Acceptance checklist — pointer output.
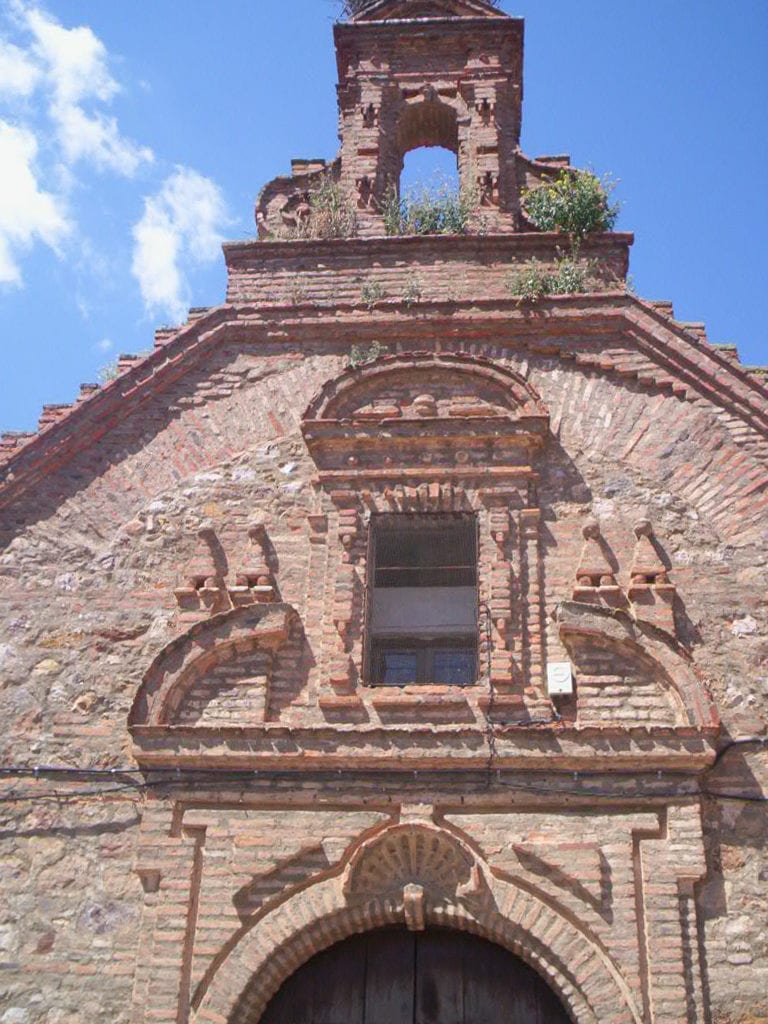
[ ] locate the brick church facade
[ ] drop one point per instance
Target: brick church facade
(384, 646)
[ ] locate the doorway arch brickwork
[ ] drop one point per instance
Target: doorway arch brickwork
(456, 889)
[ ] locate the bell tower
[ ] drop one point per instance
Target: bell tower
(418, 73)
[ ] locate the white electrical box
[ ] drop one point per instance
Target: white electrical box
(559, 678)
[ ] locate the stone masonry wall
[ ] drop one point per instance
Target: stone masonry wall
(87, 578)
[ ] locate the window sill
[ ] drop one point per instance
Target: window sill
(418, 695)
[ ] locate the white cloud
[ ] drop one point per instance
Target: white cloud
(18, 73)
(181, 224)
(57, 83)
(73, 64)
(97, 138)
(27, 213)
(75, 57)
(105, 345)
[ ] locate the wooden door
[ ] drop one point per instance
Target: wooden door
(398, 977)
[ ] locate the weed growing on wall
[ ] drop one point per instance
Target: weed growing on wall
(331, 213)
(569, 276)
(412, 293)
(371, 293)
(351, 7)
(108, 371)
(360, 356)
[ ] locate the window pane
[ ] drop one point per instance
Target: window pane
(454, 666)
(398, 668)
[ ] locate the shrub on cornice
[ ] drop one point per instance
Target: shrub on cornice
(575, 202)
(108, 371)
(349, 8)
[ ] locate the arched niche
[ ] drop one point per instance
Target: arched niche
(188, 667)
(490, 385)
(594, 635)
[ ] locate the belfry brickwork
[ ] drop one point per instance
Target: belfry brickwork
(379, 598)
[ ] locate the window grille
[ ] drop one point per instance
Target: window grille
(422, 611)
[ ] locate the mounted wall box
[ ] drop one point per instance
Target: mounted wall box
(559, 678)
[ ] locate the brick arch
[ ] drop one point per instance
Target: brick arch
(583, 976)
(657, 654)
(431, 122)
(337, 396)
(205, 645)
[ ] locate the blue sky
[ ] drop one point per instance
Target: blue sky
(135, 135)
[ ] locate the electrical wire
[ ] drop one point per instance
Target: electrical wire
(135, 781)
(225, 778)
(739, 741)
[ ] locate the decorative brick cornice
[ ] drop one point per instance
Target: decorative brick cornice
(485, 248)
(463, 748)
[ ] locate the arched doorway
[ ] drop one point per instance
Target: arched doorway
(393, 976)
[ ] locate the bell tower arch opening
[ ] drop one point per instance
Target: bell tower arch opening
(429, 167)
(436, 976)
(428, 149)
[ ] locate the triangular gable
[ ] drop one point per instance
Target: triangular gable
(385, 10)
(643, 343)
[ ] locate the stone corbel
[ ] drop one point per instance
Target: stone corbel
(150, 878)
(349, 530)
(204, 588)
(343, 600)
(318, 528)
(414, 907)
(254, 581)
(650, 591)
(595, 579)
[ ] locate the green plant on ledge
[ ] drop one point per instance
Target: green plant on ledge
(108, 371)
(331, 213)
(575, 202)
(360, 356)
(569, 276)
(371, 293)
(412, 292)
(429, 209)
